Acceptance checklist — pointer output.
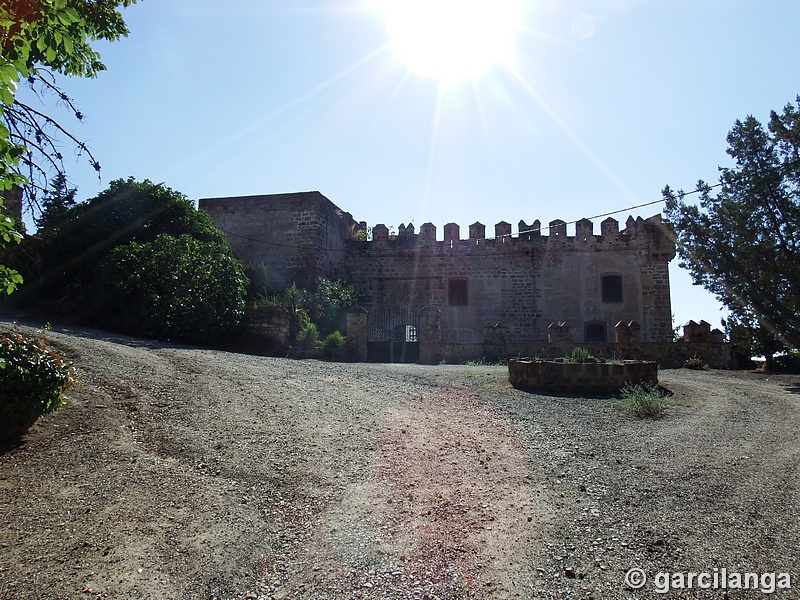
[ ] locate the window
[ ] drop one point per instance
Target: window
(457, 292)
(594, 332)
(612, 288)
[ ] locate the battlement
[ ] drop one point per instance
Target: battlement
(650, 234)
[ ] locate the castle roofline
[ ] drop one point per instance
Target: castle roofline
(269, 197)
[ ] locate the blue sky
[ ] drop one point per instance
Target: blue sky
(594, 108)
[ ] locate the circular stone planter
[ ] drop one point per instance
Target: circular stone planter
(593, 377)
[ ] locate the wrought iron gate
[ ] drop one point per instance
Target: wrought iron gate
(392, 335)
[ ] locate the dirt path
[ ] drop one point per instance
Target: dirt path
(186, 473)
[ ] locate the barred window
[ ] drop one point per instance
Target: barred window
(594, 331)
(612, 288)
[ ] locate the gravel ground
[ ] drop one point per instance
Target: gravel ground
(178, 472)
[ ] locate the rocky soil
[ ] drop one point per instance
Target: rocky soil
(177, 472)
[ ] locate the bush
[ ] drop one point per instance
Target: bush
(333, 346)
(641, 399)
(307, 335)
(329, 301)
(787, 363)
(32, 379)
(173, 288)
(695, 363)
(128, 211)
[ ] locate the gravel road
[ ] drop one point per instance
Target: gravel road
(177, 472)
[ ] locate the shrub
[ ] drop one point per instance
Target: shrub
(333, 346)
(128, 211)
(641, 399)
(787, 363)
(329, 301)
(307, 335)
(173, 288)
(578, 355)
(32, 379)
(695, 363)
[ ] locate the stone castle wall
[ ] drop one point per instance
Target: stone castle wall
(296, 237)
(525, 281)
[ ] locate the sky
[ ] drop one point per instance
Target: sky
(439, 110)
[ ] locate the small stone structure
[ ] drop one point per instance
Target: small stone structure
(593, 378)
(268, 328)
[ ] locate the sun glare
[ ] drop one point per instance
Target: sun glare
(452, 39)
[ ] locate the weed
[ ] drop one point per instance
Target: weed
(642, 399)
(485, 362)
(695, 363)
(578, 355)
(308, 335)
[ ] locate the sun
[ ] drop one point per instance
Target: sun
(452, 40)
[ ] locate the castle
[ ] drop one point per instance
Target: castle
(534, 292)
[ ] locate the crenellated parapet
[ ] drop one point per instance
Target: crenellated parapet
(651, 235)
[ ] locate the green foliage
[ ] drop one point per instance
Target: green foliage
(333, 346)
(173, 288)
(696, 363)
(9, 278)
(787, 363)
(58, 199)
(641, 399)
(32, 380)
(328, 302)
(578, 355)
(324, 305)
(307, 334)
(743, 244)
(127, 211)
(485, 362)
(258, 289)
(37, 40)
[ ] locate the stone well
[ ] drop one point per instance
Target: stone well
(592, 377)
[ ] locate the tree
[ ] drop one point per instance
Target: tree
(38, 40)
(56, 202)
(329, 301)
(743, 244)
(127, 211)
(173, 288)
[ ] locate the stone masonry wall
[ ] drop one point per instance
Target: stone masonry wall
(523, 282)
(296, 237)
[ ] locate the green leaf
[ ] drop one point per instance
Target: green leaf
(72, 14)
(6, 97)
